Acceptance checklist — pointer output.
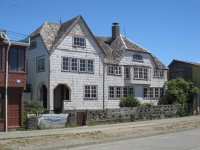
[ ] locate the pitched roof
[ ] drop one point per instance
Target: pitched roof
(53, 33)
(187, 62)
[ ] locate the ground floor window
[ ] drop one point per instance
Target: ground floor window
(153, 92)
(1, 106)
(117, 92)
(90, 92)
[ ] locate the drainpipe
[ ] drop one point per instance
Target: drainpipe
(6, 88)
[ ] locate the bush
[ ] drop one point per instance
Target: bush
(178, 91)
(34, 107)
(129, 101)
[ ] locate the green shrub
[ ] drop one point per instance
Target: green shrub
(34, 107)
(129, 101)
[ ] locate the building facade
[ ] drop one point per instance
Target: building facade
(16, 81)
(71, 69)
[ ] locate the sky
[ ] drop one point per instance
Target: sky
(169, 29)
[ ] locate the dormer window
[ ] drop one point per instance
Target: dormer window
(137, 57)
(33, 45)
(79, 41)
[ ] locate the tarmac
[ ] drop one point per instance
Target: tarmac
(74, 130)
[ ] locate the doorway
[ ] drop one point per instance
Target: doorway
(43, 95)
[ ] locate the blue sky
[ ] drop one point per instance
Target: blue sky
(169, 29)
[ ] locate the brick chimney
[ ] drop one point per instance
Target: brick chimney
(115, 30)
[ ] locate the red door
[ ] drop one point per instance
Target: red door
(14, 103)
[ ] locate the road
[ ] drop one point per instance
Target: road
(184, 140)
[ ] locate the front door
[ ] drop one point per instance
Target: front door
(14, 111)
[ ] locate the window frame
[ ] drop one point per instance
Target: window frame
(127, 72)
(137, 57)
(91, 90)
(71, 65)
(140, 73)
(17, 59)
(152, 92)
(118, 92)
(115, 70)
(158, 73)
(85, 60)
(68, 61)
(79, 45)
(37, 63)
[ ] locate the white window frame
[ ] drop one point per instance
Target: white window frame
(91, 91)
(79, 41)
(64, 62)
(90, 66)
(114, 70)
(137, 57)
(82, 65)
(140, 73)
(117, 92)
(127, 73)
(72, 68)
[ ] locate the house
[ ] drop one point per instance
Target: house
(16, 81)
(186, 70)
(71, 69)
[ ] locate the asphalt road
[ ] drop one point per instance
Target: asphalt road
(184, 140)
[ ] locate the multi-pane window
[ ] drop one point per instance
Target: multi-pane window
(82, 65)
(111, 92)
(114, 70)
(90, 66)
(118, 70)
(17, 59)
(65, 64)
(140, 73)
(137, 57)
(158, 73)
(116, 92)
(0, 58)
(1, 106)
(90, 92)
(127, 72)
(78, 41)
(152, 92)
(74, 64)
(40, 64)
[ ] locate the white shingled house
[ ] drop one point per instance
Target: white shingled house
(71, 69)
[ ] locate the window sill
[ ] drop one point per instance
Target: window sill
(78, 46)
(90, 99)
(138, 60)
(119, 75)
(158, 77)
(141, 79)
(17, 72)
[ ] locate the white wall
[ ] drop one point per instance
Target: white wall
(76, 81)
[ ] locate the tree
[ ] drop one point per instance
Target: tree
(178, 91)
(129, 101)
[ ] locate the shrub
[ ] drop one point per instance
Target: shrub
(178, 91)
(34, 107)
(129, 101)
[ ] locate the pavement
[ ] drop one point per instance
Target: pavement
(184, 140)
(78, 130)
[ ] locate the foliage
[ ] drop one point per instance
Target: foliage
(178, 91)
(34, 107)
(129, 101)
(184, 110)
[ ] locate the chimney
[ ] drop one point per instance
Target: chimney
(115, 30)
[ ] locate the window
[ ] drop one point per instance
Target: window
(1, 106)
(82, 67)
(152, 92)
(137, 57)
(17, 59)
(0, 58)
(33, 45)
(118, 70)
(74, 64)
(111, 92)
(90, 66)
(40, 64)
(140, 73)
(78, 41)
(158, 73)
(90, 92)
(127, 72)
(65, 64)
(114, 70)
(118, 92)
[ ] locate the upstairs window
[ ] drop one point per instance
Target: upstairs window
(40, 64)
(33, 45)
(17, 59)
(74, 64)
(158, 73)
(140, 73)
(127, 72)
(137, 57)
(114, 70)
(90, 66)
(82, 67)
(65, 64)
(78, 41)
(0, 58)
